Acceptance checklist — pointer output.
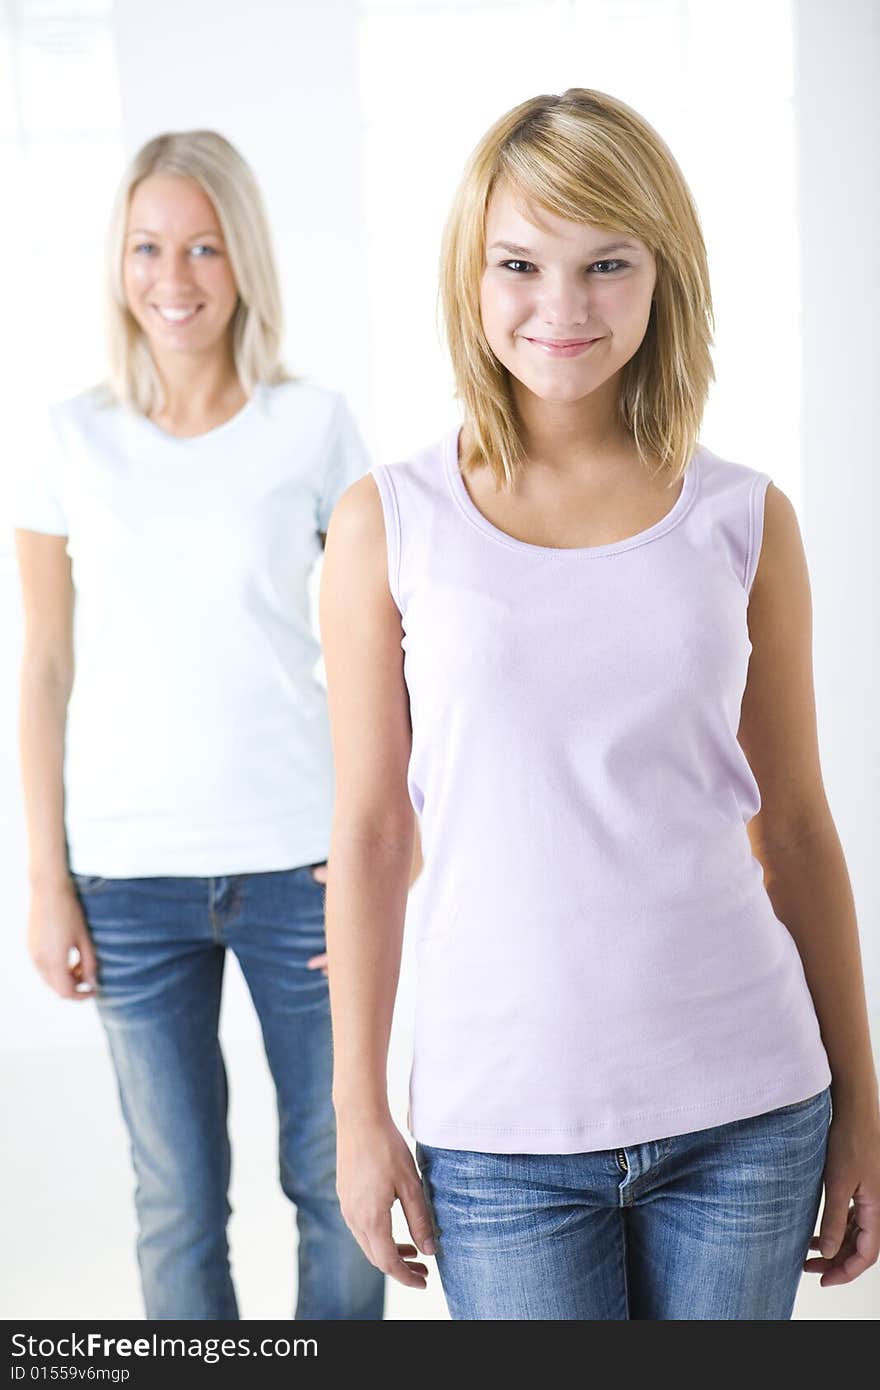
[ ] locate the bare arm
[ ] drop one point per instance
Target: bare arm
(793, 835)
(372, 857)
(805, 873)
(56, 922)
(372, 837)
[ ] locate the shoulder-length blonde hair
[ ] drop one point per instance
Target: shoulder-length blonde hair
(590, 158)
(257, 323)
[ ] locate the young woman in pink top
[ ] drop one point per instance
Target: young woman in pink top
(581, 642)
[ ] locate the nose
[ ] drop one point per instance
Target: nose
(564, 302)
(174, 269)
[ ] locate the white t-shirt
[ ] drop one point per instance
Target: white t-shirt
(198, 739)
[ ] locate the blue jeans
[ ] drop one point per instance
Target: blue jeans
(161, 947)
(715, 1224)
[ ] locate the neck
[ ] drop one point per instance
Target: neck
(197, 388)
(582, 437)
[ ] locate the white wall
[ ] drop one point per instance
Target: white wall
(837, 60)
(280, 81)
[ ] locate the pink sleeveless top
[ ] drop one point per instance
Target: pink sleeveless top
(598, 960)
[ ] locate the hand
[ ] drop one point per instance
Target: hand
(849, 1237)
(374, 1166)
(319, 872)
(59, 942)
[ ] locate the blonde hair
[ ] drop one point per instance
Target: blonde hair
(257, 323)
(587, 157)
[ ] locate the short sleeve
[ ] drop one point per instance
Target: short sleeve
(35, 501)
(345, 459)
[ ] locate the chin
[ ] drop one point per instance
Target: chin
(556, 395)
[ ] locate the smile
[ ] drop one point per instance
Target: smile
(177, 314)
(563, 348)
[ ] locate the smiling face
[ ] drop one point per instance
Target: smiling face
(176, 273)
(548, 287)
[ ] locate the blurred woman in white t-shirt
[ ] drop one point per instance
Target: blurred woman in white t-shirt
(175, 744)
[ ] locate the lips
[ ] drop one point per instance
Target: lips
(563, 347)
(177, 313)
(563, 342)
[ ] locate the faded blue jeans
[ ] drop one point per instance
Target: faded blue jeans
(715, 1224)
(161, 946)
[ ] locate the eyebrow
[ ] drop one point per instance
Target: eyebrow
(596, 251)
(145, 231)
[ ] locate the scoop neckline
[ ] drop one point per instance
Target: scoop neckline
(472, 513)
(206, 435)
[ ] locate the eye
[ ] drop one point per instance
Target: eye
(144, 247)
(201, 248)
(619, 265)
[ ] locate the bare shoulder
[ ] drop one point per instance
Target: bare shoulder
(779, 511)
(357, 523)
(358, 512)
(782, 562)
(355, 552)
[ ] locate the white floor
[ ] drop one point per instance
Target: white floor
(68, 1196)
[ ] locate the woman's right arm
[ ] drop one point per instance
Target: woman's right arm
(369, 865)
(56, 921)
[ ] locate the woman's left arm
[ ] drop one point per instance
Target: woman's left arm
(795, 839)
